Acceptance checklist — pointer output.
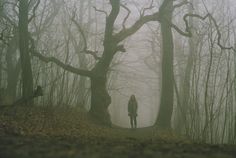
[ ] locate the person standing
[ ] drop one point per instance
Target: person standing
(132, 111)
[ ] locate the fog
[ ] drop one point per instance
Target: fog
(178, 60)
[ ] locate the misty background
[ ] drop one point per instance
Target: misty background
(211, 99)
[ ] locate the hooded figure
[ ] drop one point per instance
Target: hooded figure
(132, 111)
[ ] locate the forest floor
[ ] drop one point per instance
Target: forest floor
(68, 133)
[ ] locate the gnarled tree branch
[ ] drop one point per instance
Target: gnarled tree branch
(188, 33)
(111, 20)
(64, 66)
(124, 33)
(145, 9)
(34, 10)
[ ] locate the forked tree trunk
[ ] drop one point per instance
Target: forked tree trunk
(100, 98)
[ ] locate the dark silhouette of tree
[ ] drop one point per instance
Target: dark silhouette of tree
(165, 14)
(166, 102)
(27, 77)
(100, 99)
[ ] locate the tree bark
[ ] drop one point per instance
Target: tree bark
(27, 77)
(100, 98)
(167, 89)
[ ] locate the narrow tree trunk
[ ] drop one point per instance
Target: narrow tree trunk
(186, 81)
(27, 78)
(1, 52)
(13, 69)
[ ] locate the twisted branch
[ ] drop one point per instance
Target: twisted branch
(188, 33)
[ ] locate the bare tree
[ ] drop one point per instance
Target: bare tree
(27, 77)
(100, 99)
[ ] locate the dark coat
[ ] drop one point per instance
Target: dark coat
(132, 106)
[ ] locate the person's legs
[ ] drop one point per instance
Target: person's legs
(135, 122)
(131, 121)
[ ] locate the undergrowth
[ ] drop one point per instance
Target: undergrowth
(68, 122)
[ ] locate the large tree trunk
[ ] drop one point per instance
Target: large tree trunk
(166, 102)
(27, 77)
(100, 100)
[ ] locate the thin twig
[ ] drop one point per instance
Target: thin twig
(127, 16)
(99, 10)
(145, 9)
(81, 31)
(34, 11)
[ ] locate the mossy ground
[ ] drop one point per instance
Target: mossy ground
(48, 132)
